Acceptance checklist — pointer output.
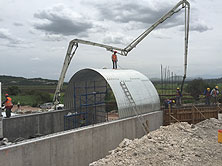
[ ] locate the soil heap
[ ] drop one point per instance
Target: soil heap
(176, 144)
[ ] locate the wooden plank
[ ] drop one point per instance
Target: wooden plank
(199, 111)
(174, 118)
(192, 115)
(189, 114)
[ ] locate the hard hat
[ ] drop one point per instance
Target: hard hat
(115, 51)
(178, 88)
(208, 88)
(6, 94)
(173, 101)
(216, 87)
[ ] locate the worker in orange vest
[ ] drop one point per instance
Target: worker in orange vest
(8, 105)
(114, 59)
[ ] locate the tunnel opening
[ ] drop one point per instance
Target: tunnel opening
(92, 100)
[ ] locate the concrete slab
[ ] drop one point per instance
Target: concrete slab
(76, 147)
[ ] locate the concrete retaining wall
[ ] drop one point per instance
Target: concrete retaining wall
(76, 147)
(27, 126)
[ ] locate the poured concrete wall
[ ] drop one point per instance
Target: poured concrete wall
(27, 126)
(76, 147)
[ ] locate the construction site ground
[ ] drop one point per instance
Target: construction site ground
(175, 144)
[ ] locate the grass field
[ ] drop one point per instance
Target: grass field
(34, 95)
(31, 94)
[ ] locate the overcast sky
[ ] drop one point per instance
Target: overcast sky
(34, 36)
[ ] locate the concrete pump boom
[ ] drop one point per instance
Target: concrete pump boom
(73, 45)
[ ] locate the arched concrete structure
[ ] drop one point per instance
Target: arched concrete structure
(140, 87)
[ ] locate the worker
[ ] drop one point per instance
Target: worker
(178, 97)
(8, 105)
(207, 96)
(114, 59)
(168, 102)
(214, 93)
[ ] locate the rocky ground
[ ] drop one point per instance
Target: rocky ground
(176, 144)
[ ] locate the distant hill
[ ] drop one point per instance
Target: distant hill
(218, 80)
(174, 78)
(180, 78)
(12, 80)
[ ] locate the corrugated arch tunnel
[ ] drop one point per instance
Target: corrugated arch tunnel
(88, 88)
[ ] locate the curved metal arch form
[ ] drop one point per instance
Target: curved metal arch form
(140, 87)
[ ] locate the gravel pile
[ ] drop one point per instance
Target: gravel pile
(176, 144)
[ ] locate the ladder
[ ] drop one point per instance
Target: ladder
(133, 104)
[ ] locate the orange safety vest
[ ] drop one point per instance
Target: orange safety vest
(114, 57)
(8, 103)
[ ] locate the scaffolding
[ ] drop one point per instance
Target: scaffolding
(168, 84)
(89, 104)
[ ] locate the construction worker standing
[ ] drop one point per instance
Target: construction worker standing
(178, 97)
(214, 93)
(8, 105)
(207, 96)
(114, 59)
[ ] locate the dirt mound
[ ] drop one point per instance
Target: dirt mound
(176, 144)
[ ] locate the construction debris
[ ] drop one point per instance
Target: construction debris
(176, 144)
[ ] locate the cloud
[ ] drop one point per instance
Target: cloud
(61, 20)
(199, 26)
(35, 59)
(12, 41)
(54, 37)
(142, 14)
(160, 34)
(116, 38)
(4, 34)
(145, 12)
(17, 24)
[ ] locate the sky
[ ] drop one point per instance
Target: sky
(34, 36)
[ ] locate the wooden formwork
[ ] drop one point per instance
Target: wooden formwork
(192, 114)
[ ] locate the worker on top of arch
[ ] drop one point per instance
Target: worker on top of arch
(114, 59)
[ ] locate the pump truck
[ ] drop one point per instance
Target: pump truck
(73, 45)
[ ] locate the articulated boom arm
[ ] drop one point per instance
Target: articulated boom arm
(183, 3)
(73, 45)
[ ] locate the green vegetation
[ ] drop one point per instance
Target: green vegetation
(32, 92)
(193, 90)
(10, 80)
(196, 87)
(13, 90)
(110, 102)
(32, 98)
(36, 91)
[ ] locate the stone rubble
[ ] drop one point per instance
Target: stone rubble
(177, 144)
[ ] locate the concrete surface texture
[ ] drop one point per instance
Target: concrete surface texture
(27, 126)
(77, 147)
